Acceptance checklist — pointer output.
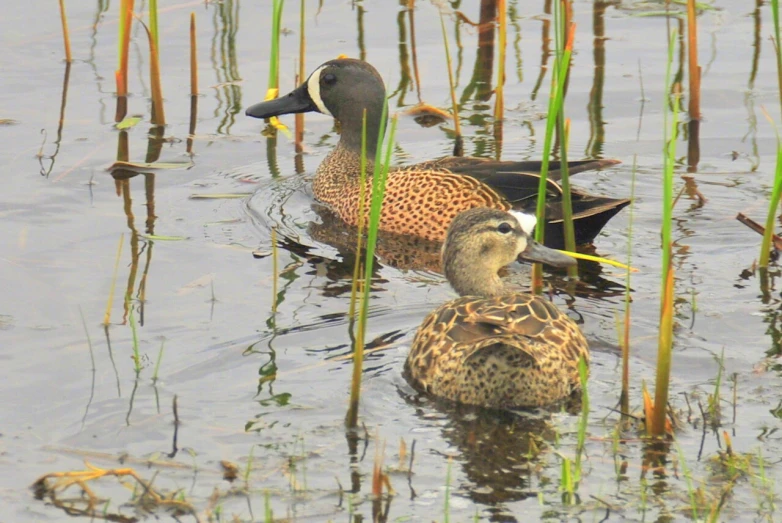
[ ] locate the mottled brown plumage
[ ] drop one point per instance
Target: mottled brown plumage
(422, 199)
(491, 347)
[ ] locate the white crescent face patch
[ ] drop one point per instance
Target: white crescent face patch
(527, 221)
(313, 88)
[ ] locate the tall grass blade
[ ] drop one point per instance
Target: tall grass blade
(361, 216)
(775, 14)
(773, 204)
(583, 375)
(66, 37)
(776, 193)
(665, 339)
(379, 176)
(624, 399)
(458, 149)
(556, 98)
(274, 63)
(565, 31)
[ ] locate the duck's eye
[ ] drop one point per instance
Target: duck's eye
(504, 228)
(329, 79)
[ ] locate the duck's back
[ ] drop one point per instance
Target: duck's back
(516, 350)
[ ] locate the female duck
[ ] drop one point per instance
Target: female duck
(422, 199)
(491, 347)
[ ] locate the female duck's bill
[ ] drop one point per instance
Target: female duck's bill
(532, 250)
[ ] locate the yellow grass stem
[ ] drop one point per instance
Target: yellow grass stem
(499, 97)
(107, 315)
(193, 57)
(66, 37)
(275, 268)
(455, 106)
(598, 259)
(299, 118)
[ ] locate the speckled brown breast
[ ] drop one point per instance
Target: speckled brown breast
(516, 350)
(417, 202)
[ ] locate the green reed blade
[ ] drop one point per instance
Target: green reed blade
(379, 176)
(775, 13)
(556, 98)
(274, 59)
(625, 395)
(665, 339)
(776, 193)
(360, 236)
(583, 375)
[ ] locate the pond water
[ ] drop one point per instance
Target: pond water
(267, 390)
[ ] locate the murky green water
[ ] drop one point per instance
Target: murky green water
(274, 386)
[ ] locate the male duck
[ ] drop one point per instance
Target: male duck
(422, 199)
(491, 347)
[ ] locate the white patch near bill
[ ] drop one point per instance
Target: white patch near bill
(313, 88)
(527, 221)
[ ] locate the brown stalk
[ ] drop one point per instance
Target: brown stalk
(193, 58)
(158, 114)
(694, 68)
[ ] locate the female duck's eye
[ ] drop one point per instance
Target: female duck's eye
(329, 79)
(504, 228)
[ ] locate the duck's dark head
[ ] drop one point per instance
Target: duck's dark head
(341, 88)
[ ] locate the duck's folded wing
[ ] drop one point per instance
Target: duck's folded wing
(517, 320)
(478, 167)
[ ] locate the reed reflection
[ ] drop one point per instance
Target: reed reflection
(225, 20)
(47, 170)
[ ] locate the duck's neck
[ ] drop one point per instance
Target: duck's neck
(349, 150)
(470, 280)
(340, 171)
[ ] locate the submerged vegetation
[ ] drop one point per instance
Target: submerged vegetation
(678, 453)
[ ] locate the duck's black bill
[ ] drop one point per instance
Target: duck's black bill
(540, 253)
(297, 101)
